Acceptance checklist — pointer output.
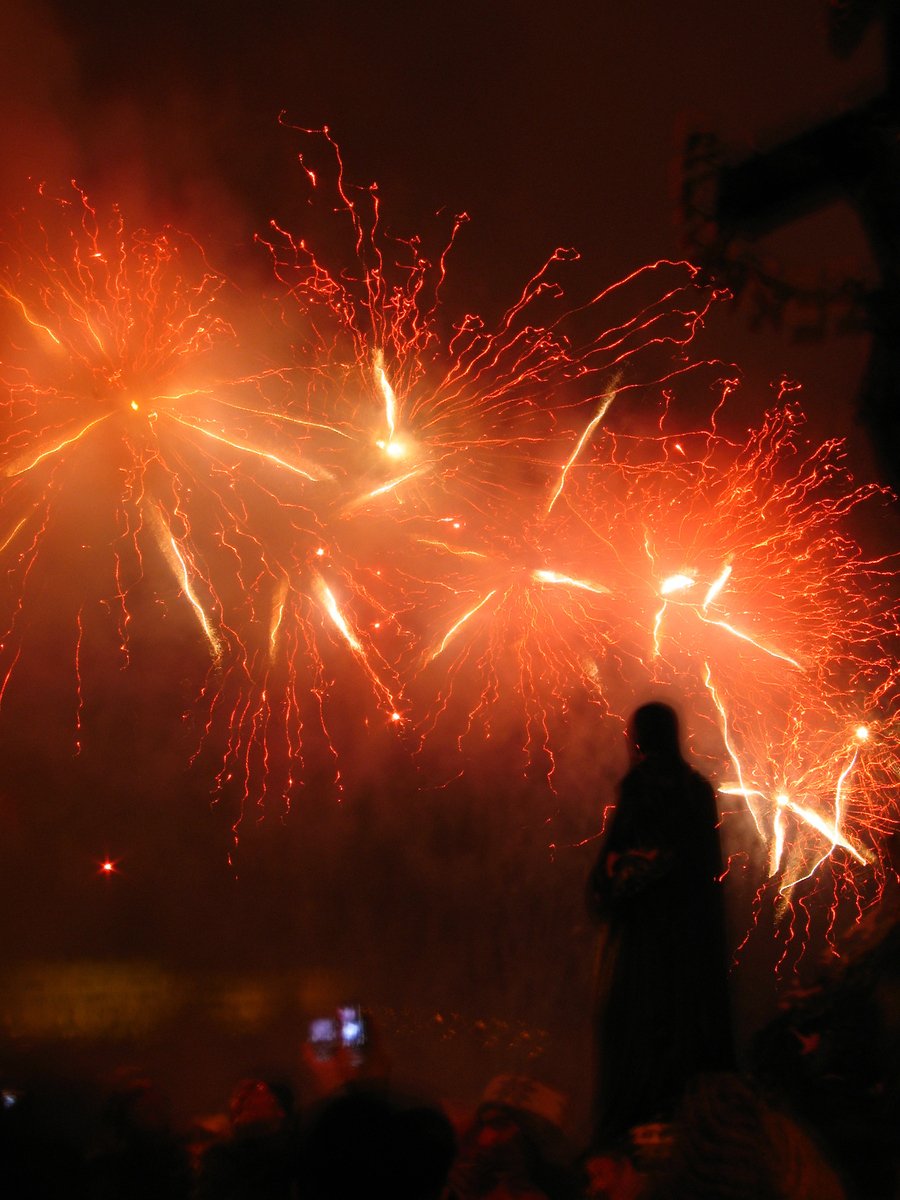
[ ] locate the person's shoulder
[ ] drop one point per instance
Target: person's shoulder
(701, 787)
(631, 778)
(698, 778)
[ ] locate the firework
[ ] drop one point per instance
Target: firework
(102, 334)
(720, 570)
(531, 552)
(374, 519)
(149, 448)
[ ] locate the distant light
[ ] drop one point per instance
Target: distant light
(783, 799)
(320, 552)
(134, 405)
(862, 734)
(395, 716)
(107, 867)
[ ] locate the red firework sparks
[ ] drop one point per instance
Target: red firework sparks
(462, 524)
(102, 332)
(139, 423)
(758, 604)
(724, 571)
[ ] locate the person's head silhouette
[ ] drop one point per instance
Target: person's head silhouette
(654, 731)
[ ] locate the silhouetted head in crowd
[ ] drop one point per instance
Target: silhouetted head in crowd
(728, 1143)
(515, 1145)
(366, 1142)
(137, 1107)
(654, 732)
(143, 1157)
(256, 1107)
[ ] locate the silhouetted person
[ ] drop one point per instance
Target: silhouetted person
(514, 1148)
(35, 1160)
(258, 1161)
(365, 1141)
(662, 1011)
(729, 1143)
(144, 1158)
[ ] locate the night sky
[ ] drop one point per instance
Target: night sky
(548, 129)
(550, 126)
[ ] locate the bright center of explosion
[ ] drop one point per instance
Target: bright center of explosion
(676, 583)
(395, 450)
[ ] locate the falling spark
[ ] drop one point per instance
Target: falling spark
(716, 586)
(390, 486)
(331, 607)
(212, 637)
(745, 637)
(455, 628)
(390, 407)
(582, 441)
(827, 829)
(676, 583)
(19, 467)
(255, 451)
(554, 577)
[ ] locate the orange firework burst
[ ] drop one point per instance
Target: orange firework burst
(138, 427)
(527, 555)
(422, 442)
(724, 571)
(102, 334)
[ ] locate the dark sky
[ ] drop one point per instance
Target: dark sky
(550, 125)
(559, 127)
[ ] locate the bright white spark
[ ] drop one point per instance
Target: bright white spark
(211, 636)
(462, 620)
(254, 450)
(828, 829)
(717, 586)
(676, 583)
(331, 607)
(554, 577)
